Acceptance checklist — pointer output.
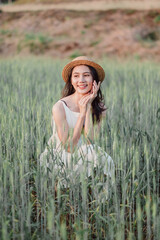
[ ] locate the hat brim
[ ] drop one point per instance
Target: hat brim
(68, 68)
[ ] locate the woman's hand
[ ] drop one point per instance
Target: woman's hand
(83, 103)
(86, 101)
(94, 91)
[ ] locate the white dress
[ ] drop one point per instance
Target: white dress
(85, 158)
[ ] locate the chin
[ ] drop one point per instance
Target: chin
(84, 92)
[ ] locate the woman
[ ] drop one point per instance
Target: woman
(76, 120)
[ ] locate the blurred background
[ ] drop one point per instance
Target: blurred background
(69, 28)
(36, 38)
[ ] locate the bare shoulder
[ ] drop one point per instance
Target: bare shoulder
(67, 99)
(58, 110)
(57, 106)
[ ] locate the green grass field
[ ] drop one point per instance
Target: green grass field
(30, 206)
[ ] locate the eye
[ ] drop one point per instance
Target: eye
(86, 75)
(75, 76)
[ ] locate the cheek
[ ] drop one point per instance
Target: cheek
(90, 83)
(73, 81)
(90, 80)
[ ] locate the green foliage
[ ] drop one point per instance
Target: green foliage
(157, 19)
(75, 54)
(37, 43)
(83, 32)
(33, 202)
(94, 43)
(8, 32)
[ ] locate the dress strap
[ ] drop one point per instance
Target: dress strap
(64, 102)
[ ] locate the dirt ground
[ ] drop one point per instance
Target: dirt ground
(67, 33)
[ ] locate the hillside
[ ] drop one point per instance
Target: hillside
(67, 33)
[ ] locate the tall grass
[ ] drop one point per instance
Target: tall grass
(33, 203)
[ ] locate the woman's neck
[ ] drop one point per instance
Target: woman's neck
(77, 97)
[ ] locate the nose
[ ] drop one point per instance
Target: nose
(81, 78)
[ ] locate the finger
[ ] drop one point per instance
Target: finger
(95, 89)
(84, 98)
(95, 85)
(87, 100)
(87, 97)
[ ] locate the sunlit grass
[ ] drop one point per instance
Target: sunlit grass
(33, 203)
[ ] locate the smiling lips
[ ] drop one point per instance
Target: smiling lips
(82, 86)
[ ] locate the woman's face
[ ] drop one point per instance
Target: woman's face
(81, 79)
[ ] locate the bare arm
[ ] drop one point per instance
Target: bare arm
(59, 116)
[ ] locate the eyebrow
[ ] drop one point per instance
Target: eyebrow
(78, 72)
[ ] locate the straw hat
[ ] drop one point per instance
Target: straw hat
(82, 60)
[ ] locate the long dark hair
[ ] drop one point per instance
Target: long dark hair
(98, 103)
